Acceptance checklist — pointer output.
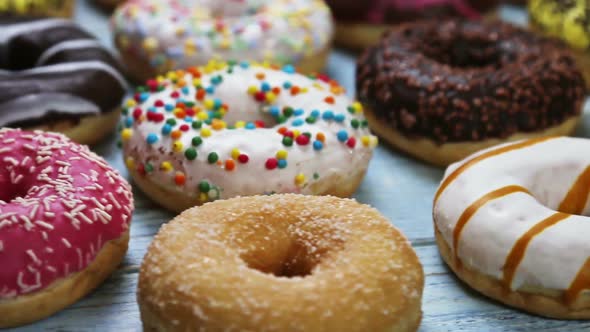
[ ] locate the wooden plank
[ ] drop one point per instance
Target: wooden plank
(448, 305)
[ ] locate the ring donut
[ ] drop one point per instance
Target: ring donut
(229, 130)
(280, 263)
(566, 20)
(441, 91)
(155, 36)
(64, 223)
(53, 76)
(511, 222)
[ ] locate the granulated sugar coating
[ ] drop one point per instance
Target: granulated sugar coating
(281, 263)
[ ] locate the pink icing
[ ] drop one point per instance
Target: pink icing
(377, 12)
(59, 204)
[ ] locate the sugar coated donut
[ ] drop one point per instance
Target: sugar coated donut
(55, 76)
(155, 36)
(232, 129)
(511, 222)
(567, 20)
(64, 223)
(443, 90)
(280, 263)
(360, 24)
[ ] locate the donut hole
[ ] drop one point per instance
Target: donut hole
(11, 191)
(294, 262)
(462, 52)
(236, 115)
(288, 250)
(458, 47)
(224, 9)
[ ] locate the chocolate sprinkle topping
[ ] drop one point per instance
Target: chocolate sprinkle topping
(454, 81)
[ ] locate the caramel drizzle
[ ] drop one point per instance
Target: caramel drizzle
(580, 283)
(475, 206)
(575, 200)
(518, 250)
(447, 181)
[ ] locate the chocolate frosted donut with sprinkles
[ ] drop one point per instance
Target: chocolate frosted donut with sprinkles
(230, 129)
(64, 223)
(155, 36)
(443, 90)
(55, 76)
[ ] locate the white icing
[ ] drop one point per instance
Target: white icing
(548, 170)
(185, 32)
(335, 162)
(75, 66)
(68, 45)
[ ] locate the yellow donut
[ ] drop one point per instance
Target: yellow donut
(567, 20)
(60, 8)
(280, 263)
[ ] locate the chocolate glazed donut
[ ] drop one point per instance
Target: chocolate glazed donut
(55, 76)
(443, 90)
(361, 23)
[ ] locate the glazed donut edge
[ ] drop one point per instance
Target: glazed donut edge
(29, 308)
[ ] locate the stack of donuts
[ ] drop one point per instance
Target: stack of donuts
(234, 125)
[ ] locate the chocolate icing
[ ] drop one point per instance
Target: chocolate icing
(398, 11)
(456, 81)
(78, 77)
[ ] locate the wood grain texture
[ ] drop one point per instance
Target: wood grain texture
(401, 188)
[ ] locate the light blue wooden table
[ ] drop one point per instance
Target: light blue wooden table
(401, 188)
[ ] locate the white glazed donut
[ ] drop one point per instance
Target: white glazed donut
(155, 36)
(510, 222)
(292, 134)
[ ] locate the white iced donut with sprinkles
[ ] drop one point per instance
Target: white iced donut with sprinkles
(231, 129)
(155, 36)
(64, 223)
(511, 221)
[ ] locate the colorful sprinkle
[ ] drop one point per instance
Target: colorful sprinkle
(281, 154)
(287, 141)
(230, 165)
(190, 153)
(243, 158)
(204, 186)
(342, 135)
(300, 179)
(151, 138)
(271, 163)
(126, 134)
(179, 178)
(318, 145)
(177, 146)
(205, 132)
(212, 158)
(302, 139)
(166, 166)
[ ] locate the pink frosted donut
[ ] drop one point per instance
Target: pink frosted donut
(64, 223)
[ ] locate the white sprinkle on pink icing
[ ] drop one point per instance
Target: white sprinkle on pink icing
(46, 220)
